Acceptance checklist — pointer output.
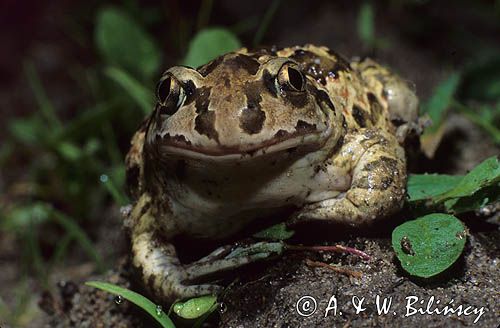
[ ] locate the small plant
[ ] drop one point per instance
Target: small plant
(154, 310)
(430, 244)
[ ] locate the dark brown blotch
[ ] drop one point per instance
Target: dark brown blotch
(322, 97)
(281, 134)
(367, 182)
(206, 69)
(132, 180)
(252, 117)
(269, 80)
(190, 90)
(252, 120)
(302, 127)
(204, 123)
(385, 163)
(342, 63)
(296, 99)
(203, 99)
(321, 67)
(244, 62)
(375, 107)
(360, 116)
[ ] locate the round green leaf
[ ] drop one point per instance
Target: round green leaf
(123, 42)
(195, 307)
(430, 244)
(208, 44)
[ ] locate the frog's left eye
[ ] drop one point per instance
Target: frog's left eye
(291, 78)
(170, 94)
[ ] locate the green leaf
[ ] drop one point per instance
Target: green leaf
(485, 174)
(275, 232)
(458, 193)
(427, 186)
(481, 198)
(196, 307)
(142, 96)
(24, 216)
(430, 244)
(69, 151)
(441, 99)
(209, 44)
(27, 130)
(151, 308)
(436, 108)
(122, 42)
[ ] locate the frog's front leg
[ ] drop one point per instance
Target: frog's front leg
(162, 273)
(378, 168)
(165, 277)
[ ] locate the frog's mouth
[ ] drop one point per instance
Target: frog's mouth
(282, 141)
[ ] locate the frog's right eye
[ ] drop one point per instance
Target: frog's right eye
(170, 94)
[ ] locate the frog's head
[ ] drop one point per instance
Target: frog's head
(239, 106)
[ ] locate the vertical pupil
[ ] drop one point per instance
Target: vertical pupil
(163, 90)
(295, 78)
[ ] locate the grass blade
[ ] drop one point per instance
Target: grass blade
(366, 24)
(142, 96)
(266, 20)
(485, 124)
(71, 227)
(44, 104)
(119, 197)
(139, 300)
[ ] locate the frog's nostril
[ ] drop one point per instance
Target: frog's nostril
(252, 119)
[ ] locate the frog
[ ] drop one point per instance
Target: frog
(250, 134)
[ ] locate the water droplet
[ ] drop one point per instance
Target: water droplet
(103, 178)
(222, 308)
(159, 310)
(125, 210)
(118, 299)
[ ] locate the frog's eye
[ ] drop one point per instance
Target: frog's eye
(170, 94)
(291, 78)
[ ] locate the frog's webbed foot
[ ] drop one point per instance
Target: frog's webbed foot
(377, 188)
(163, 274)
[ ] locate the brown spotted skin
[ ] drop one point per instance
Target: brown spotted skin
(253, 133)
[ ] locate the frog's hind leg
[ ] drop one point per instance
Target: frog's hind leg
(378, 184)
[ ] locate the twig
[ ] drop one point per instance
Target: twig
(347, 272)
(336, 248)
